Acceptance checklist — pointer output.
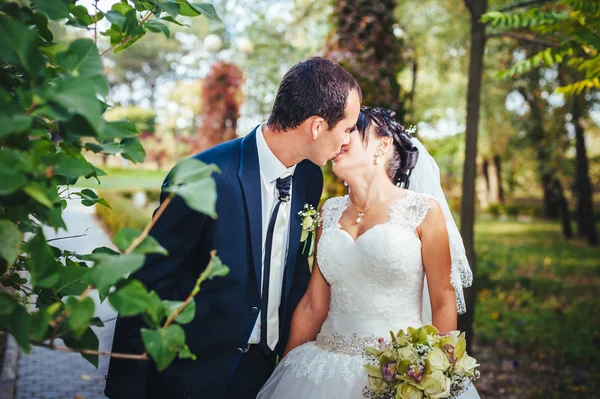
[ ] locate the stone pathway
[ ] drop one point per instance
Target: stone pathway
(50, 374)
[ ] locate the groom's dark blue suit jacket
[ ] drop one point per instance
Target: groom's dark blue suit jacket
(226, 307)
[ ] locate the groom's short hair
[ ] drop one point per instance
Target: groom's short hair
(315, 87)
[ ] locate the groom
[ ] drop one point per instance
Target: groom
(242, 320)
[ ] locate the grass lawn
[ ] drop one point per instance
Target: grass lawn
(126, 179)
(538, 308)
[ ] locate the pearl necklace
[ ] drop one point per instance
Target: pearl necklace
(361, 212)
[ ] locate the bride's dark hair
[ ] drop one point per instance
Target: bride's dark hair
(384, 124)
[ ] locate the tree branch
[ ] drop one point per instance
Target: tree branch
(64, 238)
(128, 38)
(524, 4)
(524, 38)
(149, 226)
(143, 356)
(96, 22)
(179, 310)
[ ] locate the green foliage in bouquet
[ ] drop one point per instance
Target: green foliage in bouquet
(420, 363)
(53, 96)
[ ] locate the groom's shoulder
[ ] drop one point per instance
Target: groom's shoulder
(221, 154)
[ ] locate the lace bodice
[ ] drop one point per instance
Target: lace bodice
(380, 275)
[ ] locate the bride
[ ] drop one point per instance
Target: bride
(378, 251)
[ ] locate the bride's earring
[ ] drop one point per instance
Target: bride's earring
(345, 183)
(378, 154)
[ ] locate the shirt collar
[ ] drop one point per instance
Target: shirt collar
(271, 168)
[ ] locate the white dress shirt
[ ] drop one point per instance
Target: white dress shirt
(270, 170)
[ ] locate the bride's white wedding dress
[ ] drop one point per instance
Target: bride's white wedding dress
(377, 284)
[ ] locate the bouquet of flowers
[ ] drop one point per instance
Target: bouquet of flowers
(420, 364)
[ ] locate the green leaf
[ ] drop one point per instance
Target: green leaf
(122, 7)
(186, 315)
(131, 299)
(548, 60)
(190, 9)
(157, 27)
(10, 241)
(19, 46)
(174, 21)
(191, 170)
(170, 8)
(55, 9)
(71, 168)
(192, 181)
(88, 340)
(155, 310)
(89, 198)
(116, 18)
(79, 314)
(215, 268)
(119, 129)
(35, 191)
(10, 180)
(109, 269)
(7, 304)
(162, 345)
(38, 325)
(83, 60)
(149, 245)
(82, 18)
(130, 42)
(77, 96)
(186, 354)
(133, 149)
(73, 280)
(14, 123)
(41, 21)
(111, 148)
(17, 323)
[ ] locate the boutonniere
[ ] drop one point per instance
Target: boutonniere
(311, 219)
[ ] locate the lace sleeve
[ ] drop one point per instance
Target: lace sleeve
(332, 210)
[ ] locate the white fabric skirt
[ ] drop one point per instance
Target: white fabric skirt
(309, 372)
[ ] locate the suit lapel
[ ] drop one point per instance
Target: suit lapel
(298, 197)
(249, 175)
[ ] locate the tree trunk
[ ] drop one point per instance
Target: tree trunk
(500, 189)
(485, 170)
(551, 208)
(565, 216)
(492, 180)
(586, 222)
(467, 221)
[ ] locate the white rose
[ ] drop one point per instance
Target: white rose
(437, 360)
(406, 352)
(436, 385)
(407, 391)
(466, 366)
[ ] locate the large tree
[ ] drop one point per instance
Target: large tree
(364, 42)
(476, 8)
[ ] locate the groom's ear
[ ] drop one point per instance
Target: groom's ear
(318, 125)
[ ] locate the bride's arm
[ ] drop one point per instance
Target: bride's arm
(311, 310)
(437, 263)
